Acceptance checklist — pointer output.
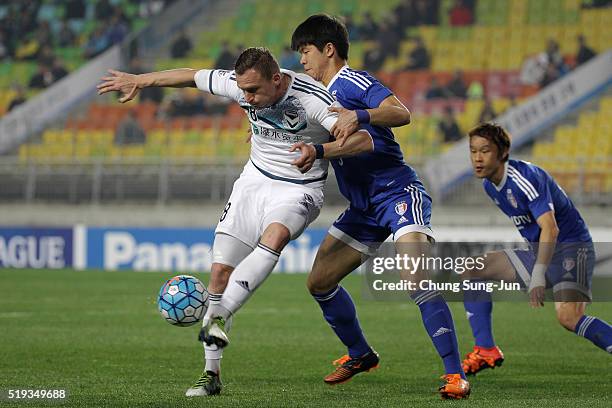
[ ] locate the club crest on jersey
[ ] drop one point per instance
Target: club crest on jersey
(568, 264)
(291, 118)
(401, 207)
(511, 198)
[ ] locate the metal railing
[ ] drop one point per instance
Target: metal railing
(99, 181)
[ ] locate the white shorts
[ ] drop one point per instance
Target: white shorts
(258, 201)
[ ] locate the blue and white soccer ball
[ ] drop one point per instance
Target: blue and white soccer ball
(182, 300)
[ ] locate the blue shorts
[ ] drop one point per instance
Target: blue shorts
(571, 267)
(403, 210)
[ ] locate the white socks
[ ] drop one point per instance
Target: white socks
(248, 275)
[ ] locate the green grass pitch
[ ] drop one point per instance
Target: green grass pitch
(99, 335)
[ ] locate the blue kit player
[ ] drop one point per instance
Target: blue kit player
(561, 255)
(386, 199)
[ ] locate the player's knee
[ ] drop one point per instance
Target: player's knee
(568, 318)
(219, 276)
(276, 236)
(318, 283)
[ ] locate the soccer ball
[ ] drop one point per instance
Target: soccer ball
(182, 300)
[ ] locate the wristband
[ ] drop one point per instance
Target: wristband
(538, 276)
(320, 150)
(363, 116)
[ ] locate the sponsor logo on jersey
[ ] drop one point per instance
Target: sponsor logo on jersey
(511, 198)
(222, 72)
(401, 207)
(568, 264)
(519, 220)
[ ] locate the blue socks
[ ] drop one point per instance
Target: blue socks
(596, 330)
(339, 311)
(438, 323)
(478, 305)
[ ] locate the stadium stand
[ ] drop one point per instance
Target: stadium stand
(58, 37)
(488, 54)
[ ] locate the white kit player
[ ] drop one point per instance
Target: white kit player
(280, 190)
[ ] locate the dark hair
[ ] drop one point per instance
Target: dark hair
(319, 30)
(495, 134)
(258, 58)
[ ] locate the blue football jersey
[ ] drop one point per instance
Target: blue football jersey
(366, 178)
(526, 192)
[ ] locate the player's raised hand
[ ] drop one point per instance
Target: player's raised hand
(307, 158)
(346, 125)
(122, 82)
(536, 296)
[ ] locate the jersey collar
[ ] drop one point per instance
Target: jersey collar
(501, 184)
(345, 67)
(292, 76)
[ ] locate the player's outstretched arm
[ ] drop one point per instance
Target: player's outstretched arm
(390, 113)
(130, 84)
(357, 143)
(546, 248)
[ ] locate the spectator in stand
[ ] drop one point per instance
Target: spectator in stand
(74, 9)
(550, 75)
(97, 42)
(117, 30)
(427, 12)
(4, 48)
(44, 35)
(373, 59)
(65, 36)
(150, 8)
(18, 99)
(419, 56)
(406, 13)
(154, 94)
(226, 58)
(554, 57)
(43, 78)
(585, 52)
(389, 37)
(46, 56)
(448, 126)
(58, 69)
(368, 30)
(460, 14)
(435, 90)
(182, 46)
(290, 60)
(129, 130)
(353, 30)
(185, 102)
(456, 87)
(104, 10)
(487, 113)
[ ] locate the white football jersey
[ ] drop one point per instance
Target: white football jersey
(300, 115)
